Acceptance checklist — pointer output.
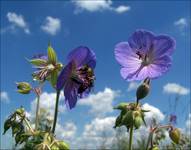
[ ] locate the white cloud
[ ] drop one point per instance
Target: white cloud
(188, 122)
(98, 5)
(66, 131)
(122, 9)
(174, 88)
(153, 113)
(18, 20)
(47, 102)
(94, 132)
(101, 102)
(101, 129)
(4, 97)
(132, 86)
(182, 22)
(51, 25)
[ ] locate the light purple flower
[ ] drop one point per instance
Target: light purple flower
(144, 55)
(77, 77)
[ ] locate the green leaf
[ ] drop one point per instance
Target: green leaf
(52, 58)
(142, 116)
(145, 110)
(20, 111)
(7, 125)
(38, 62)
(121, 106)
(63, 145)
(53, 78)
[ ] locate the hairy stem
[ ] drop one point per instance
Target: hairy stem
(148, 140)
(28, 125)
(131, 138)
(37, 112)
(56, 111)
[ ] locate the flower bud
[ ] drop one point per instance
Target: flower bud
(138, 122)
(20, 111)
(175, 135)
(23, 87)
(143, 89)
(121, 106)
(63, 145)
(127, 119)
(155, 147)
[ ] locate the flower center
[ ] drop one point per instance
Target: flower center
(84, 78)
(145, 58)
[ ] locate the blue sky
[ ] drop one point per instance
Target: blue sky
(27, 27)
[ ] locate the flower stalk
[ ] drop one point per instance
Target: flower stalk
(131, 138)
(152, 131)
(37, 112)
(28, 125)
(56, 111)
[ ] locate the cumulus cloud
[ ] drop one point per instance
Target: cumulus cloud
(66, 131)
(132, 86)
(4, 97)
(52, 25)
(122, 9)
(47, 102)
(153, 113)
(174, 88)
(101, 102)
(188, 122)
(100, 5)
(101, 129)
(181, 22)
(17, 21)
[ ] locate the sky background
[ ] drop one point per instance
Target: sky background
(27, 27)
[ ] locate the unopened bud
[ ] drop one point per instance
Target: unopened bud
(138, 122)
(63, 145)
(121, 106)
(155, 147)
(23, 87)
(175, 135)
(127, 119)
(143, 89)
(20, 111)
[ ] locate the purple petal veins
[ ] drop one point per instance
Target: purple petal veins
(77, 77)
(144, 55)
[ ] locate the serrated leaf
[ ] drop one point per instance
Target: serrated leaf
(52, 58)
(7, 125)
(142, 116)
(145, 110)
(63, 145)
(121, 106)
(38, 62)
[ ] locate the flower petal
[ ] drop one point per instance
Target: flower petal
(163, 45)
(126, 72)
(71, 93)
(83, 56)
(65, 75)
(125, 56)
(141, 40)
(40, 56)
(155, 70)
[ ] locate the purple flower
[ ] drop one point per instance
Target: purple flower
(144, 55)
(77, 77)
(172, 118)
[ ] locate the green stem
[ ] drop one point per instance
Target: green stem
(29, 126)
(56, 111)
(37, 112)
(149, 139)
(131, 138)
